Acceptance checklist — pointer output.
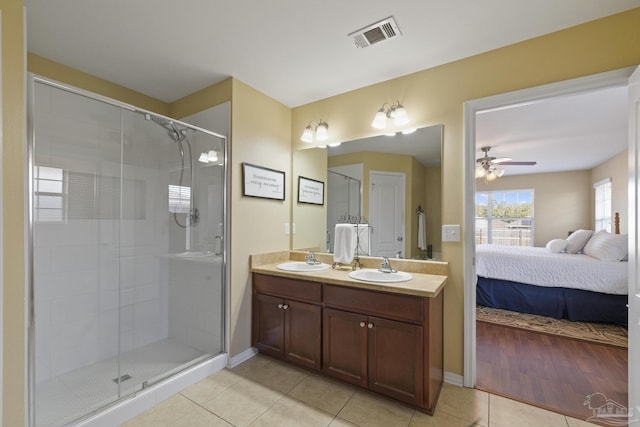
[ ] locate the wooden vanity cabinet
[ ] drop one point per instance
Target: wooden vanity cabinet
(287, 319)
(389, 343)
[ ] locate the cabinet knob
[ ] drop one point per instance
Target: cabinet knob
(370, 325)
(284, 307)
(280, 305)
(362, 324)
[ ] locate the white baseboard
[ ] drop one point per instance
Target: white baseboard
(453, 379)
(241, 357)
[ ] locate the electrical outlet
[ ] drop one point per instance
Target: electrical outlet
(451, 233)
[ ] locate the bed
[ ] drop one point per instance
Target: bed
(573, 286)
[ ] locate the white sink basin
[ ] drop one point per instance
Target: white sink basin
(300, 266)
(371, 275)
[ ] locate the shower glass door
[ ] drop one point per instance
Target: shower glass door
(127, 234)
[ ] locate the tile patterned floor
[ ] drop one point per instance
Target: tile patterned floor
(265, 392)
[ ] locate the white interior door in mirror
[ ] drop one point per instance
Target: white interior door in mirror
(386, 213)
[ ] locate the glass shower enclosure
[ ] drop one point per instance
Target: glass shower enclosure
(127, 250)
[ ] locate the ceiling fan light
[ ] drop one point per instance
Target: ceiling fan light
(307, 135)
(498, 172)
(490, 176)
(480, 172)
(380, 120)
(322, 131)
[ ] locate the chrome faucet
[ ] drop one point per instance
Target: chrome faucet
(311, 258)
(385, 267)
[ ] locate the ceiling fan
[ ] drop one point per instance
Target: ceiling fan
(489, 166)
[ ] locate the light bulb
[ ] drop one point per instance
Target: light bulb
(380, 120)
(498, 172)
(400, 116)
(491, 176)
(322, 131)
(307, 135)
(480, 172)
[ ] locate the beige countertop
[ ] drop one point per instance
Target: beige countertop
(424, 283)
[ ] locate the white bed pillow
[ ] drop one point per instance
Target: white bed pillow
(556, 246)
(606, 246)
(577, 240)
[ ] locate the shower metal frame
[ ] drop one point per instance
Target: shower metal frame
(32, 79)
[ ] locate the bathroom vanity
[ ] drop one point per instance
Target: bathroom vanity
(385, 337)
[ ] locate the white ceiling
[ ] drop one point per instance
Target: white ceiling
(294, 51)
(299, 52)
(573, 132)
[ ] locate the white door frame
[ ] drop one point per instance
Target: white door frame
(634, 245)
(608, 79)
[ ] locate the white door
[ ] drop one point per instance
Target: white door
(634, 256)
(386, 213)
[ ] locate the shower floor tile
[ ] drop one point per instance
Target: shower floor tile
(77, 393)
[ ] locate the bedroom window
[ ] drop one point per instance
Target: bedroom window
(504, 217)
(603, 205)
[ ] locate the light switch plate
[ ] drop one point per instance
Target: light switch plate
(451, 233)
(286, 228)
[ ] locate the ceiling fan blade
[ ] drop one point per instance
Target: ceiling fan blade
(501, 159)
(518, 163)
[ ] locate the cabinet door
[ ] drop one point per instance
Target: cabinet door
(268, 324)
(344, 346)
(302, 326)
(395, 359)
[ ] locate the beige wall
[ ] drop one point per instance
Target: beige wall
(562, 201)
(310, 220)
(437, 95)
(433, 208)
(433, 96)
(418, 186)
(615, 168)
(260, 129)
(13, 190)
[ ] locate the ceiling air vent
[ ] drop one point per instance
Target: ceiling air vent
(376, 33)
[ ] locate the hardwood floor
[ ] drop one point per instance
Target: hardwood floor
(548, 371)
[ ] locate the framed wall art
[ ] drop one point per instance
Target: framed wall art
(258, 181)
(310, 191)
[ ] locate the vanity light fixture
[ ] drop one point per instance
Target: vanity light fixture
(395, 112)
(321, 132)
(208, 157)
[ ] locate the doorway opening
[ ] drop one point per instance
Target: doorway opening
(504, 103)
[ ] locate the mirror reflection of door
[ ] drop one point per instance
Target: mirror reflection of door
(386, 213)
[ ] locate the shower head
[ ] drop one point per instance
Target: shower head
(175, 133)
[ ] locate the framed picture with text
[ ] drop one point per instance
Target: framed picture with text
(310, 191)
(258, 181)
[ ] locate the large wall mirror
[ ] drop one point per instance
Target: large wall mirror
(391, 185)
